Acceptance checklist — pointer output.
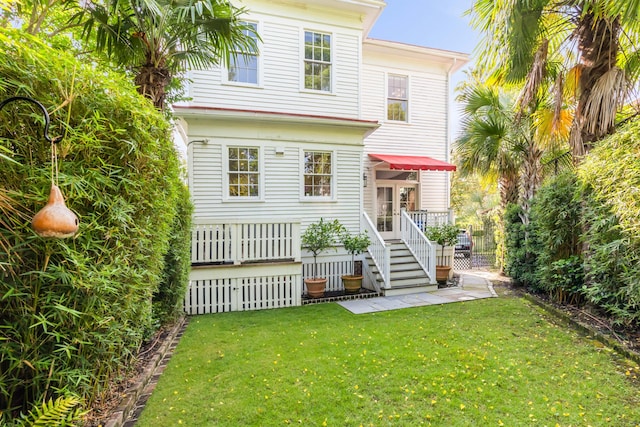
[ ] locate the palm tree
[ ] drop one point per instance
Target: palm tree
(498, 138)
(157, 39)
(488, 144)
(590, 45)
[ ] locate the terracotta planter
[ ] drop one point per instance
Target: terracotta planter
(442, 273)
(315, 287)
(352, 284)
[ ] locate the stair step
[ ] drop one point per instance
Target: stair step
(408, 290)
(406, 274)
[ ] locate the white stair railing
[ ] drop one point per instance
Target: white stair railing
(419, 246)
(379, 251)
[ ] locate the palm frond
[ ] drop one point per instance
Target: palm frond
(558, 97)
(572, 82)
(556, 161)
(629, 10)
(525, 36)
(630, 63)
(606, 97)
(535, 76)
(551, 126)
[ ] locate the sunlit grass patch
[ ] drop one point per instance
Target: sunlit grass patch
(489, 362)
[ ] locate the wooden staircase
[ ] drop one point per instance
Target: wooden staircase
(407, 277)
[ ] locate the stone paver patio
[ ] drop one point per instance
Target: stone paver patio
(471, 286)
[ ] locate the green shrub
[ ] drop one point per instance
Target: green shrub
(169, 297)
(75, 311)
(555, 214)
(520, 261)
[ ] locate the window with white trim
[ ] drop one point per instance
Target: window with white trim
(243, 174)
(397, 98)
(318, 173)
(243, 66)
(317, 61)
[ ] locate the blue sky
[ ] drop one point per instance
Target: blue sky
(431, 23)
(438, 24)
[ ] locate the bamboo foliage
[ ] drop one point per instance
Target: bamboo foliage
(74, 312)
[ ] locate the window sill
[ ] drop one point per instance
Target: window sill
(241, 84)
(318, 200)
(317, 92)
(242, 200)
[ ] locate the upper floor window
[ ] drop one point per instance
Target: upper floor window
(317, 61)
(243, 172)
(318, 173)
(397, 98)
(243, 67)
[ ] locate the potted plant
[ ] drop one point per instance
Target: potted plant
(318, 237)
(355, 244)
(443, 235)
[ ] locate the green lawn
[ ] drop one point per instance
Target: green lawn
(492, 362)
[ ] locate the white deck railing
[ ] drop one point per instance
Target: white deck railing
(235, 242)
(418, 244)
(424, 219)
(379, 251)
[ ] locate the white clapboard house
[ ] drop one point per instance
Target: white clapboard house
(320, 122)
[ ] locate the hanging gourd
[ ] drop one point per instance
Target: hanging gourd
(55, 219)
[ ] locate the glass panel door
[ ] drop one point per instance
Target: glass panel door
(390, 202)
(407, 198)
(384, 213)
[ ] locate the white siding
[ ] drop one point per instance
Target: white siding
(282, 52)
(282, 175)
(425, 133)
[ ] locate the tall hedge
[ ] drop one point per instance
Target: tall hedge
(73, 312)
(556, 217)
(611, 184)
(520, 260)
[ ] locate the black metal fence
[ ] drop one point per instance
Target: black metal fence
(483, 249)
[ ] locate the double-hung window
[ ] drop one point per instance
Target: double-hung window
(318, 174)
(397, 98)
(243, 172)
(243, 66)
(317, 61)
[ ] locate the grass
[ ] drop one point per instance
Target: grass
(493, 362)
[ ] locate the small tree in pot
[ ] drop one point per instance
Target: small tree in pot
(355, 244)
(317, 238)
(443, 235)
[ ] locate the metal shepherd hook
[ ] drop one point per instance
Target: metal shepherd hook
(55, 219)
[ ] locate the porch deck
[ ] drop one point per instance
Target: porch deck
(238, 266)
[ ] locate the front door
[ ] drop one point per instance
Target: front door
(391, 200)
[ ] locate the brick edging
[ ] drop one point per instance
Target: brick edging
(583, 328)
(127, 406)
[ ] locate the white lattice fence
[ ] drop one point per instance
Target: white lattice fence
(259, 293)
(218, 289)
(240, 242)
(208, 296)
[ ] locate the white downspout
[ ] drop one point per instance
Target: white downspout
(448, 130)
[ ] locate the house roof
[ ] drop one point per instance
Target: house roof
(453, 60)
(216, 113)
(413, 162)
